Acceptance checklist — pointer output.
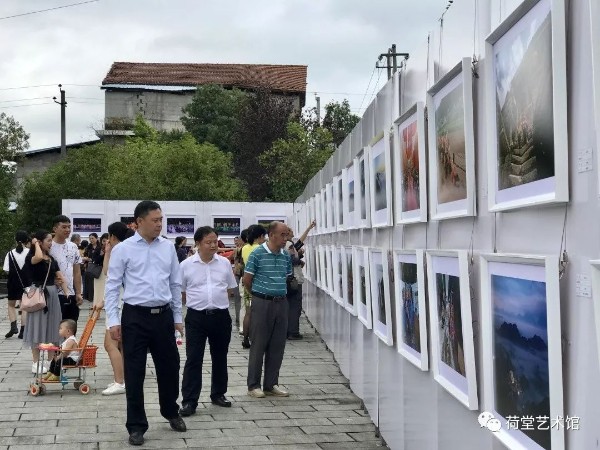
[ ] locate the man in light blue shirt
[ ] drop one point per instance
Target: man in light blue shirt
(147, 266)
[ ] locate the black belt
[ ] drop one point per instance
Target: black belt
(150, 309)
(269, 297)
(208, 312)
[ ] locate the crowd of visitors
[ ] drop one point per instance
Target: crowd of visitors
(150, 288)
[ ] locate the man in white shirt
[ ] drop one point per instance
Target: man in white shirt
(67, 255)
(207, 282)
(147, 265)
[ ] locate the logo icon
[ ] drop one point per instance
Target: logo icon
(487, 419)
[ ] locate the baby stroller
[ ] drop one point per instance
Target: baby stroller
(86, 360)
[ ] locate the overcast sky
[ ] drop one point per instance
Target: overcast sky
(339, 41)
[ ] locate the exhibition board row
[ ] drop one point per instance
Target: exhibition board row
(226, 226)
(422, 167)
(520, 325)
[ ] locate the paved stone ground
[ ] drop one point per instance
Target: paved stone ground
(321, 412)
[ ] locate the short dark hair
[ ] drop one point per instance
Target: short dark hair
(61, 218)
(179, 240)
(244, 235)
(143, 208)
(71, 325)
(254, 232)
(202, 232)
(118, 230)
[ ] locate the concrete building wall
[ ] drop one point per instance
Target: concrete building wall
(163, 110)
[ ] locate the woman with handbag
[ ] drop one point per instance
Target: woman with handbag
(42, 325)
(13, 265)
(91, 254)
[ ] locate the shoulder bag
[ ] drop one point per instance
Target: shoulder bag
(94, 269)
(33, 298)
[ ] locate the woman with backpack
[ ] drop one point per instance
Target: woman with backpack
(13, 265)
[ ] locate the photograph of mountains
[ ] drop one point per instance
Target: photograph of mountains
(521, 371)
(409, 151)
(450, 137)
(350, 279)
(363, 191)
(450, 322)
(380, 182)
(524, 111)
(340, 201)
(410, 306)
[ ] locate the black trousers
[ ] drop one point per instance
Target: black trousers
(68, 307)
(200, 326)
(295, 310)
(56, 365)
(142, 331)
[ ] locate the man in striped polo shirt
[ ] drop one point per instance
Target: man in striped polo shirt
(265, 275)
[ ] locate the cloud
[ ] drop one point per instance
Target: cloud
(339, 40)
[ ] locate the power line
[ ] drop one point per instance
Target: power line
(368, 86)
(49, 9)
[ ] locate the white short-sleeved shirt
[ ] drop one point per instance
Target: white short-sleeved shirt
(205, 284)
(19, 258)
(67, 255)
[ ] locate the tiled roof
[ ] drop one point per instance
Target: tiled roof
(285, 78)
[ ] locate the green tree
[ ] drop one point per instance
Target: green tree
(212, 115)
(142, 168)
(293, 161)
(339, 120)
(13, 141)
(262, 121)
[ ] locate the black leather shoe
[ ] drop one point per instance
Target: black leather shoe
(178, 424)
(221, 401)
(136, 438)
(187, 410)
(295, 337)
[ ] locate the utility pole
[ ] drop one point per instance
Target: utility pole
(318, 109)
(391, 61)
(63, 125)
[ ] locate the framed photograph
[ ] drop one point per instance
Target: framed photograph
(227, 226)
(127, 220)
(522, 348)
(526, 107)
(348, 280)
(380, 296)
(329, 284)
(329, 208)
(362, 290)
(87, 225)
(410, 166)
(452, 144)
(349, 199)
(180, 226)
(596, 296)
(265, 221)
(339, 195)
(318, 213)
(595, 31)
(380, 175)
(325, 203)
(338, 263)
(452, 352)
(321, 267)
(361, 175)
(411, 308)
(336, 206)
